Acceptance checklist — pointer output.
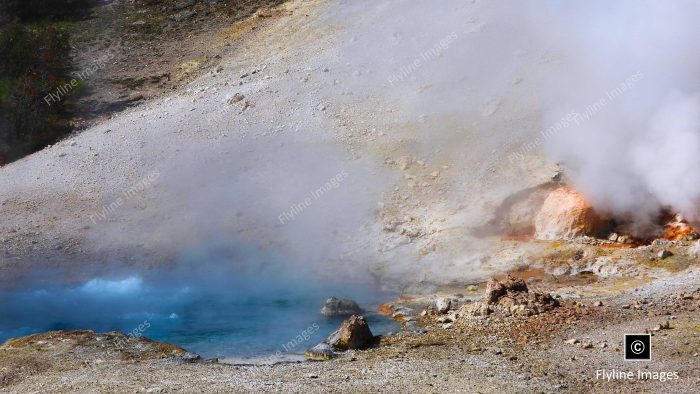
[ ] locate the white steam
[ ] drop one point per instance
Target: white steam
(459, 88)
(629, 70)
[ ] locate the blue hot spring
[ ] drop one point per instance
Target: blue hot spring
(214, 309)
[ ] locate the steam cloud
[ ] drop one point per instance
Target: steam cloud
(460, 86)
(640, 152)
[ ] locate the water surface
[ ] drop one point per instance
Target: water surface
(212, 310)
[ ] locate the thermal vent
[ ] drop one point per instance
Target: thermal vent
(567, 214)
(678, 229)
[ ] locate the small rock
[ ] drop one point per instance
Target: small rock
(626, 306)
(187, 357)
(446, 319)
(472, 288)
(447, 326)
(320, 352)
(184, 4)
(586, 345)
(664, 254)
(572, 341)
(404, 162)
(235, 98)
(443, 305)
(598, 303)
(340, 307)
(354, 333)
(685, 296)
(183, 16)
(625, 239)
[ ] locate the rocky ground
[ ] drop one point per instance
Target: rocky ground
(144, 49)
(429, 201)
(531, 349)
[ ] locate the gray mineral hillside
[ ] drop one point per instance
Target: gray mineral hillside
(367, 196)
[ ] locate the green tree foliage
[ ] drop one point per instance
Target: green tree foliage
(39, 10)
(34, 61)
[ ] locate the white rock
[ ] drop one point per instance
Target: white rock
(443, 305)
(694, 250)
(664, 254)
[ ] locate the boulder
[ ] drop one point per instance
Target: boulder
(566, 214)
(340, 307)
(354, 333)
(510, 297)
(495, 289)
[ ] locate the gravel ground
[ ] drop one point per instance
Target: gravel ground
(297, 103)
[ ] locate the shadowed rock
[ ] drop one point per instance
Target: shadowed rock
(340, 307)
(354, 333)
(496, 289)
(510, 297)
(320, 352)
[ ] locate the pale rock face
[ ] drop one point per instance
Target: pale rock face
(566, 214)
(694, 250)
(443, 305)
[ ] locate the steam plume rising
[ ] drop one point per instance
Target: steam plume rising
(634, 150)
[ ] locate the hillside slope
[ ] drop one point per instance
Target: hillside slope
(424, 156)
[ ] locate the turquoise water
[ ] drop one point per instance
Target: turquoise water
(209, 310)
